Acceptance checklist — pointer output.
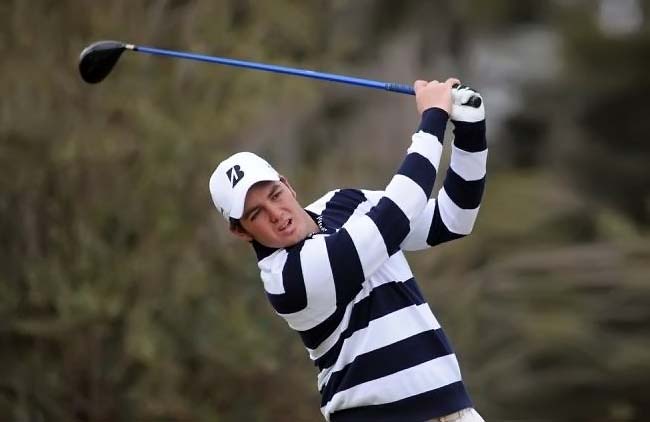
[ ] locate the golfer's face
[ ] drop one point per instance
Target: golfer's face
(273, 216)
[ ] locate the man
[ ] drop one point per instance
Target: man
(336, 271)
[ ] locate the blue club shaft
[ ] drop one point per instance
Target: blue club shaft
(331, 77)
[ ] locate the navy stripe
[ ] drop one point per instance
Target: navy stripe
(470, 137)
(382, 300)
(294, 298)
(444, 340)
(341, 206)
(434, 121)
(316, 335)
(392, 223)
(346, 266)
(420, 170)
(381, 362)
(432, 404)
(262, 251)
(438, 232)
(467, 195)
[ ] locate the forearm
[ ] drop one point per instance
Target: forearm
(407, 193)
(411, 187)
(470, 136)
(465, 179)
(459, 200)
(453, 212)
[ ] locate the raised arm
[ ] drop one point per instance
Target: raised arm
(453, 213)
(310, 280)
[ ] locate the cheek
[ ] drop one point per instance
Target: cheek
(260, 228)
(291, 203)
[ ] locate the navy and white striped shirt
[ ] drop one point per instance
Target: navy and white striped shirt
(350, 294)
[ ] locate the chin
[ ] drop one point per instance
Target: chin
(278, 243)
(290, 241)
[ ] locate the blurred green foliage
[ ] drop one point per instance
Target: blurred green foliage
(123, 298)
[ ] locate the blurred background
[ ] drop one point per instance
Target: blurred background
(123, 298)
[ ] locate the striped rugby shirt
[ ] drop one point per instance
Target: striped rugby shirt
(349, 292)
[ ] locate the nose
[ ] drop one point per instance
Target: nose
(274, 214)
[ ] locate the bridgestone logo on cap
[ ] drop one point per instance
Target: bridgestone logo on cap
(235, 174)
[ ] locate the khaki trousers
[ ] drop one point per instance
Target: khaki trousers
(465, 415)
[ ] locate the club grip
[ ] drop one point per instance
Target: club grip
(401, 88)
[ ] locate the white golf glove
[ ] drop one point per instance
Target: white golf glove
(467, 105)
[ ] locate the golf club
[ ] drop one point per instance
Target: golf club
(98, 59)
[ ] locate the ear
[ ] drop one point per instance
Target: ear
(239, 232)
(288, 185)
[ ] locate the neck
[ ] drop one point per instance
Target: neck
(312, 227)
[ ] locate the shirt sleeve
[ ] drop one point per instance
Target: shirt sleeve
(452, 214)
(311, 279)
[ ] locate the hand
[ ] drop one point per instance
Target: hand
(467, 104)
(434, 94)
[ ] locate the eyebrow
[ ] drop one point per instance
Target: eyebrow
(248, 213)
(274, 189)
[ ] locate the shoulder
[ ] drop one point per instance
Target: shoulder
(273, 269)
(344, 198)
(318, 205)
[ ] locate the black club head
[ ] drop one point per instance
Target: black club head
(98, 59)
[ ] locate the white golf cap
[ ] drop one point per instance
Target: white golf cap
(233, 177)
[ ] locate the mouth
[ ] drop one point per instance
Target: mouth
(287, 225)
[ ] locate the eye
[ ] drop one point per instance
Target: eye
(253, 215)
(276, 195)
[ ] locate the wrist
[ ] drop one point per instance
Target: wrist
(434, 121)
(470, 136)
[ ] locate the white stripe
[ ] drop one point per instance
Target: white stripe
(395, 269)
(428, 146)
(456, 219)
(318, 206)
(319, 286)
(271, 271)
(468, 165)
(418, 379)
(368, 242)
(372, 199)
(361, 209)
(407, 194)
(417, 237)
(389, 329)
